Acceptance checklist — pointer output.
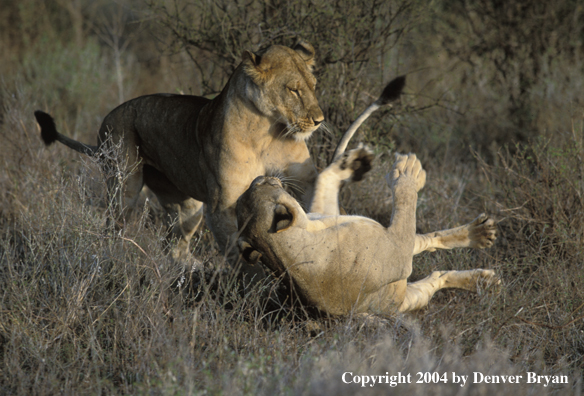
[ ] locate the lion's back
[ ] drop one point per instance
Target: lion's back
(159, 110)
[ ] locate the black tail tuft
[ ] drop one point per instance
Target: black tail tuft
(48, 130)
(393, 90)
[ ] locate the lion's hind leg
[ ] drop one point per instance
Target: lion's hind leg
(351, 166)
(479, 234)
(123, 191)
(419, 293)
(184, 214)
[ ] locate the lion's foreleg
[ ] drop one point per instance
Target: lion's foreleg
(405, 180)
(183, 219)
(326, 193)
(351, 166)
(479, 233)
(222, 223)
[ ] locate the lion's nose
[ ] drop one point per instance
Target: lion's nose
(273, 181)
(318, 120)
(258, 180)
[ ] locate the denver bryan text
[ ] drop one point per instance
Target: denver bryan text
(531, 378)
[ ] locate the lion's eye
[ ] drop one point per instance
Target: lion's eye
(294, 91)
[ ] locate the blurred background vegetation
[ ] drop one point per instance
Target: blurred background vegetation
(493, 107)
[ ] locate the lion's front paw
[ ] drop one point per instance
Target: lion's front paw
(407, 169)
(353, 164)
(482, 232)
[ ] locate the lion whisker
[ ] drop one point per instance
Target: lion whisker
(291, 130)
(287, 181)
(325, 128)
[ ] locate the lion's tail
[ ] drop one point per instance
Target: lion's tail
(50, 135)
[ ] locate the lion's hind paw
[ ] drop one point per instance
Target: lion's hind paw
(487, 280)
(482, 232)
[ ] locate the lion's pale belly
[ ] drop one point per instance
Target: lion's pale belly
(349, 265)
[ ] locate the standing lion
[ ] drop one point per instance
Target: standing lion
(190, 150)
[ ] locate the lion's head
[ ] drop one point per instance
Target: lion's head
(282, 87)
(267, 205)
(266, 210)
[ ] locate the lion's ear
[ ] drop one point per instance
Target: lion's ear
(306, 52)
(252, 65)
(251, 57)
(284, 217)
(249, 254)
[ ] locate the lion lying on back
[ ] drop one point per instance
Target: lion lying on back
(343, 264)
